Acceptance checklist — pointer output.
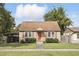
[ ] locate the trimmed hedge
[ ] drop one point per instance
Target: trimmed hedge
(51, 40)
(33, 40)
(29, 40)
(22, 41)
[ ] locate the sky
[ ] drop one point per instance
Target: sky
(35, 11)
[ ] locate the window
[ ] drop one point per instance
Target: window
(77, 35)
(30, 34)
(26, 34)
(52, 34)
(49, 34)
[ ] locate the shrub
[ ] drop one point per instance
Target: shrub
(0, 40)
(22, 41)
(51, 40)
(30, 40)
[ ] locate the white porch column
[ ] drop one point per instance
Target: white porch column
(21, 36)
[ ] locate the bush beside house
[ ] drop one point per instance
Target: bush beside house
(29, 40)
(51, 40)
(33, 40)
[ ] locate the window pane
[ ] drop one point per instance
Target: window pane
(29, 34)
(26, 34)
(49, 34)
(52, 34)
(77, 35)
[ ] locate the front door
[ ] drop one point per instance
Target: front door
(41, 36)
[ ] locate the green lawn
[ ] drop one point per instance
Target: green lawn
(61, 46)
(17, 45)
(39, 53)
(46, 45)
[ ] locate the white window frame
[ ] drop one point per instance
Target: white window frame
(51, 34)
(31, 35)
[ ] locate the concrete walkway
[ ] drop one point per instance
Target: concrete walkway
(6, 50)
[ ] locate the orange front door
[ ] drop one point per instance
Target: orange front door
(39, 35)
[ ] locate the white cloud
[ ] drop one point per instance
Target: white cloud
(19, 11)
(30, 12)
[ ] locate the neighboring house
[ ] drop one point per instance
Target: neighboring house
(71, 35)
(39, 30)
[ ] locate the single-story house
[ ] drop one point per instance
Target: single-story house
(72, 35)
(39, 30)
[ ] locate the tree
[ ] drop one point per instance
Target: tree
(58, 14)
(6, 20)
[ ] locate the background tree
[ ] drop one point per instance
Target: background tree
(6, 20)
(58, 14)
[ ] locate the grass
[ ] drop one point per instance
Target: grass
(61, 46)
(39, 53)
(46, 46)
(17, 45)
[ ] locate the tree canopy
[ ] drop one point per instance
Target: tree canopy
(7, 22)
(58, 14)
